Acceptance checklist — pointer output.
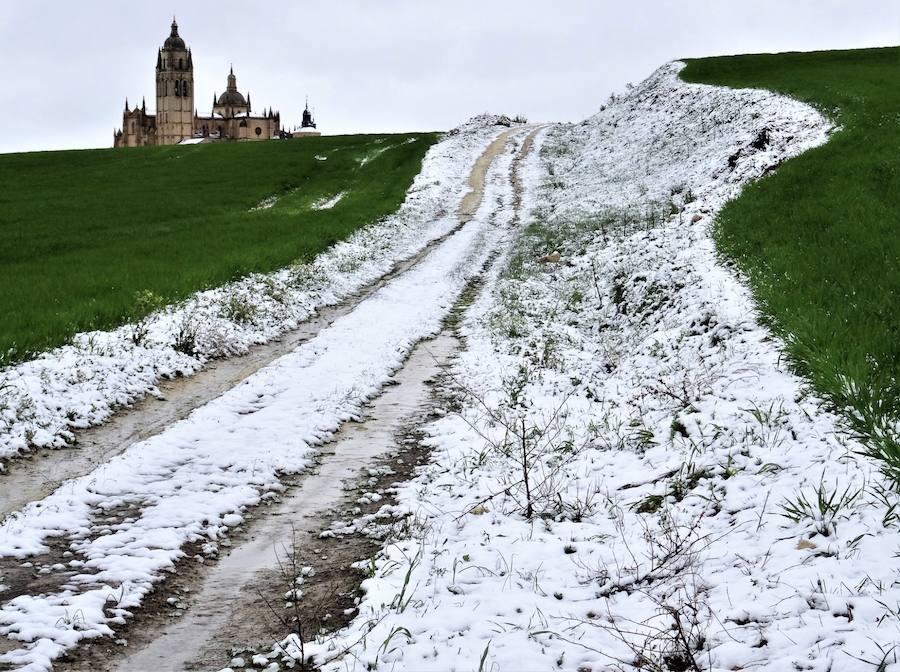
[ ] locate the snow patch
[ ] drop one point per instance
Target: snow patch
(266, 203)
(330, 202)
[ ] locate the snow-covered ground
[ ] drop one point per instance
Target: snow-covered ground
(628, 476)
(124, 525)
(79, 385)
(633, 479)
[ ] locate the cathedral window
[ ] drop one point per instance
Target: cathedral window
(177, 88)
(181, 64)
(184, 87)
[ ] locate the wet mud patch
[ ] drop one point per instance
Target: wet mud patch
(164, 603)
(63, 565)
(331, 592)
(38, 573)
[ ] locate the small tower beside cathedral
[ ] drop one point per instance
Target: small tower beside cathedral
(174, 90)
(307, 125)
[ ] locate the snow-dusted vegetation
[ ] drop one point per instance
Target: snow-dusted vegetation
(631, 477)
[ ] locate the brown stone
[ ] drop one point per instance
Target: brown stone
(552, 258)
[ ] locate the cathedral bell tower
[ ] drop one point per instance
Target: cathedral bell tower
(174, 90)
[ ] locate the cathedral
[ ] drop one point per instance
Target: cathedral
(176, 118)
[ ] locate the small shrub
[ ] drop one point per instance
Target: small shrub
(145, 303)
(649, 504)
(824, 509)
(186, 337)
(679, 429)
(238, 308)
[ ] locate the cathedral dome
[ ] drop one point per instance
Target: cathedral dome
(233, 98)
(174, 41)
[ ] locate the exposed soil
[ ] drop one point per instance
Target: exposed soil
(472, 201)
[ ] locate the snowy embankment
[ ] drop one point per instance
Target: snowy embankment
(102, 541)
(634, 479)
(79, 385)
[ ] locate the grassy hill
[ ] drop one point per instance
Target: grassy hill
(85, 231)
(819, 239)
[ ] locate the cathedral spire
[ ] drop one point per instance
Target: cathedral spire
(126, 104)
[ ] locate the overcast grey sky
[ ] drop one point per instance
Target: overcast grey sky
(389, 65)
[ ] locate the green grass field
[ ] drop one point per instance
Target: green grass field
(820, 239)
(85, 231)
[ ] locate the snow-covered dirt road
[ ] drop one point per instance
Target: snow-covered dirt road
(29, 480)
(230, 599)
(76, 563)
(46, 401)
